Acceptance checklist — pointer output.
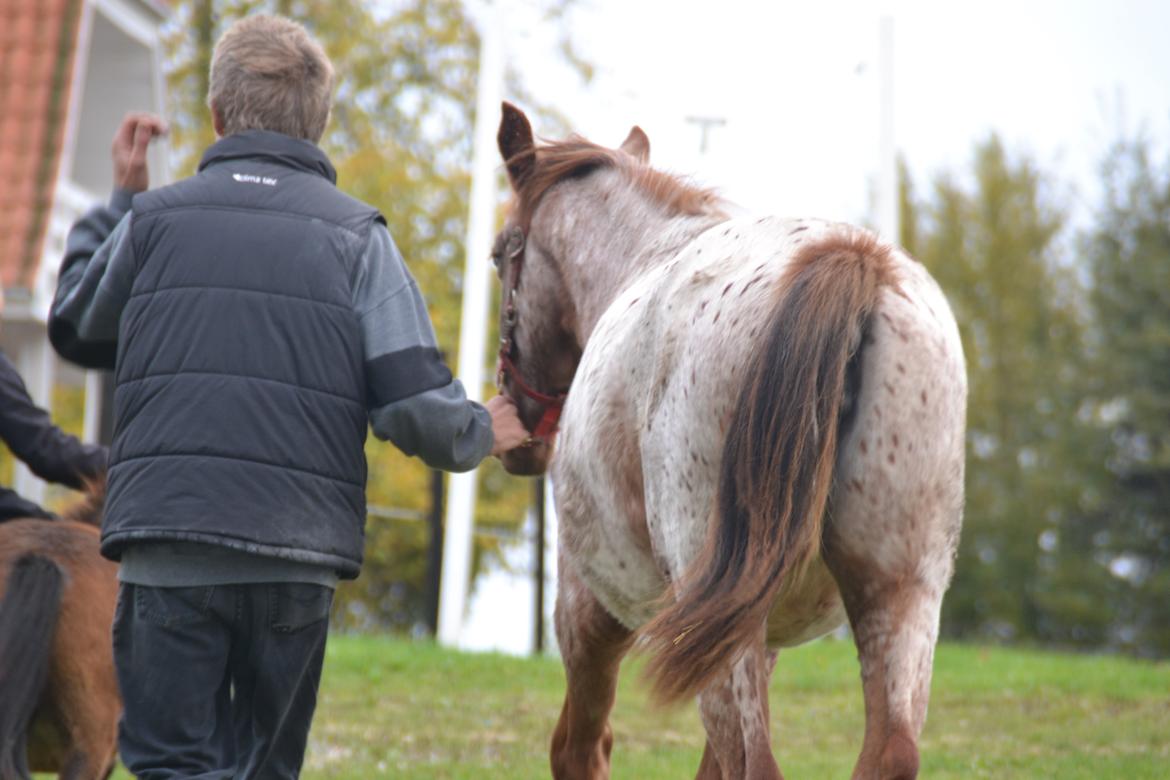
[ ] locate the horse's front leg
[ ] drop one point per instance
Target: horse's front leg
(592, 644)
(735, 715)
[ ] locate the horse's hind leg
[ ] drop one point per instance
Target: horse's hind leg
(892, 568)
(81, 766)
(895, 625)
(592, 644)
(735, 715)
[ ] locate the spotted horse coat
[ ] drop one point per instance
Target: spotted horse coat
(762, 439)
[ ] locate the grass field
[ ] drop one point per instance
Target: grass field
(393, 708)
(406, 710)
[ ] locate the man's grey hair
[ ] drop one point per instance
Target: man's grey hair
(267, 73)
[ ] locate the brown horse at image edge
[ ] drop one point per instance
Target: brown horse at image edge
(59, 703)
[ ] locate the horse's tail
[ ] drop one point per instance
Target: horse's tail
(28, 620)
(777, 466)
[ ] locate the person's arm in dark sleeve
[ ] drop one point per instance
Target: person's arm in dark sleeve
(93, 285)
(51, 453)
(413, 400)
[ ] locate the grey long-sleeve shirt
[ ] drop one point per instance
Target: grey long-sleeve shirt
(439, 425)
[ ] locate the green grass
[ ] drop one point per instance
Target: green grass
(415, 711)
(398, 709)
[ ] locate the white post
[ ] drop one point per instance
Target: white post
(457, 536)
(551, 540)
(92, 422)
(887, 189)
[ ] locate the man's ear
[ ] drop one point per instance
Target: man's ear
(216, 121)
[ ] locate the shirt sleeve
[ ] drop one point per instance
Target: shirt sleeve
(93, 285)
(413, 400)
(51, 453)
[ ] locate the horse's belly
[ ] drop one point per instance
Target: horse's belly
(810, 609)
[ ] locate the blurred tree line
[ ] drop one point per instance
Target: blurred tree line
(400, 138)
(1066, 539)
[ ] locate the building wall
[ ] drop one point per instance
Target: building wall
(116, 68)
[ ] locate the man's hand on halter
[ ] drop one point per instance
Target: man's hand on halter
(129, 151)
(510, 433)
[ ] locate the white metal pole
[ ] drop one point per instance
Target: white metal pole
(887, 207)
(551, 573)
(92, 421)
(457, 536)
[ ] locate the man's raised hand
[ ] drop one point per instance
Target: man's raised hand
(129, 152)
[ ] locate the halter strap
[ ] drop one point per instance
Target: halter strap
(506, 364)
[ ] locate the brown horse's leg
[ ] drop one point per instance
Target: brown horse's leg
(79, 766)
(592, 644)
(735, 715)
(90, 759)
(895, 626)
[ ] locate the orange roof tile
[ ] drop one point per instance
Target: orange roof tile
(37, 41)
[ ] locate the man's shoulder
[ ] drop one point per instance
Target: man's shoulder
(360, 206)
(171, 195)
(287, 191)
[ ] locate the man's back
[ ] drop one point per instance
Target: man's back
(241, 394)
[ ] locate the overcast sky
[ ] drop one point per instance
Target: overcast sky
(798, 91)
(797, 86)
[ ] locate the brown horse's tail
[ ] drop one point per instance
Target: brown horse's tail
(28, 619)
(777, 467)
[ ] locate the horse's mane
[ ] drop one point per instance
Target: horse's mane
(88, 510)
(573, 157)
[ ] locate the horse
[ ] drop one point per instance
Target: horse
(59, 701)
(758, 427)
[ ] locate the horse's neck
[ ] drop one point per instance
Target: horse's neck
(606, 253)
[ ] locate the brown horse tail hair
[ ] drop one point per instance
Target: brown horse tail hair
(28, 620)
(777, 466)
(88, 510)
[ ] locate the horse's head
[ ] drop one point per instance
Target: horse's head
(541, 338)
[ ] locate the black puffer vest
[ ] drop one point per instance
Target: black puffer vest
(240, 402)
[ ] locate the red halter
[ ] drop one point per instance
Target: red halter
(552, 404)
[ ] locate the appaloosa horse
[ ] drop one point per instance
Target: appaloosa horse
(762, 436)
(59, 703)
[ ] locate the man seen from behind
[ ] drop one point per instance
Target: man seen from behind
(256, 318)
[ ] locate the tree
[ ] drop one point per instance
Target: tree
(995, 248)
(1127, 254)
(400, 138)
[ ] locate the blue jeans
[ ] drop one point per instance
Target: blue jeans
(218, 681)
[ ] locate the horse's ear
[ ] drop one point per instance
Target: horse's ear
(516, 144)
(637, 144)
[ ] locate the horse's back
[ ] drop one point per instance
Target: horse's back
(66, 543)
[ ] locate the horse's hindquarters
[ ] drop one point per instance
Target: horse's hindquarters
(897, 504)
(896, 513)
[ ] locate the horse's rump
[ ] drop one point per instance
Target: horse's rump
(777, 466)
(28, 620)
